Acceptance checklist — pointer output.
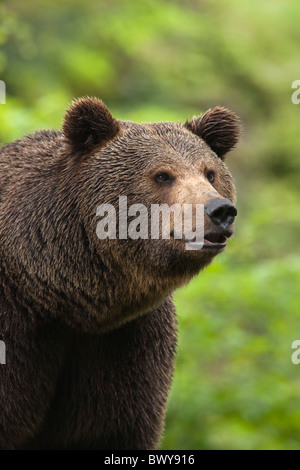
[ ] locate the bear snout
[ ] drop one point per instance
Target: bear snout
(221, 212)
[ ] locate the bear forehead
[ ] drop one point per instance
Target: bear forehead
(171, 138)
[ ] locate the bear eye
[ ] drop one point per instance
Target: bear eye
(210, 176)
(163, 177)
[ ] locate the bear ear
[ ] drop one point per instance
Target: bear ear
(88, 124)
(218, 127)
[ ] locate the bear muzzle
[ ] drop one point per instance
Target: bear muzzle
(222, 213)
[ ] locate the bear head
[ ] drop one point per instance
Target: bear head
(125, 166)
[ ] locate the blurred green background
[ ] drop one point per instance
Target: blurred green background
(235, 386)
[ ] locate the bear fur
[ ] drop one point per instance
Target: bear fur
(89, 325)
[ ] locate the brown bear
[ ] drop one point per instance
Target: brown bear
(88, 324)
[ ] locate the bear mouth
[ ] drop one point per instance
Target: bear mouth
(214, 240)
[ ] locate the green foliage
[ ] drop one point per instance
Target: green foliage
(235, 386)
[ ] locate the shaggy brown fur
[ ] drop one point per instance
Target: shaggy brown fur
(89, 325)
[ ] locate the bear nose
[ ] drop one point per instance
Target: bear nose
(221, 212)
